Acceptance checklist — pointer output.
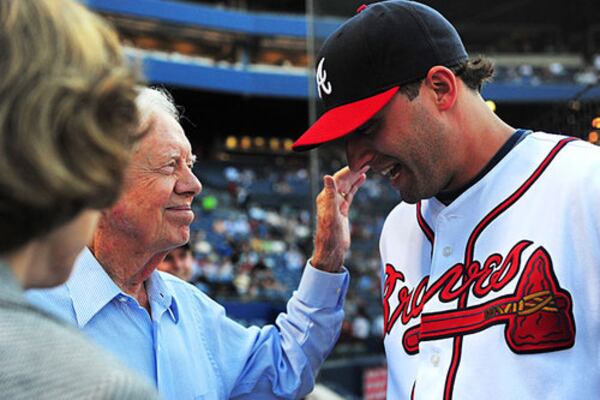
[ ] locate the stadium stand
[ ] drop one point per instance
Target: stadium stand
(238, 50)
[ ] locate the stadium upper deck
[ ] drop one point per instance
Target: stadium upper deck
(209, 47)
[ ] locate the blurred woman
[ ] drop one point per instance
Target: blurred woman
(67, 123)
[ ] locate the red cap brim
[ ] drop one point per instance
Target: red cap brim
(340, 121)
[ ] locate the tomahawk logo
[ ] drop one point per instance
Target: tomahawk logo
(538, 316)
(322, 82)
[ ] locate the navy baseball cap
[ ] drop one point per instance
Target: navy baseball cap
(365, 61)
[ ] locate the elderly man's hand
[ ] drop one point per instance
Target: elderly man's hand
(332, 238)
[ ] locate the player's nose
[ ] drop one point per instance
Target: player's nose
(358, 153)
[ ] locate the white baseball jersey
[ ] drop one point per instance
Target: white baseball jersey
(497, 295)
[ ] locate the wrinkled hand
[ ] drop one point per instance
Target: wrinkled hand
(332, 237)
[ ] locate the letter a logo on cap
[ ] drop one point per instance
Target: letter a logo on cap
(322, 83)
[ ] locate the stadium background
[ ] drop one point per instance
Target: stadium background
(239, 71)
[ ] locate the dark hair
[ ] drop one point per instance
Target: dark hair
(473, 72)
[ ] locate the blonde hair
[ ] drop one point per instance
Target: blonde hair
(68, 117)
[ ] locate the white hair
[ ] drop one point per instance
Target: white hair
(152, 100)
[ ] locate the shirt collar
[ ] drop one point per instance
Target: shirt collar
(161, 297)
(91, 289)
(448, 197)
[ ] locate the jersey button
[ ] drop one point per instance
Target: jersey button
(447, 251)
(435, 359)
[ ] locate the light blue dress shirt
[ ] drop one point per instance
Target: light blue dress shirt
(189, 348)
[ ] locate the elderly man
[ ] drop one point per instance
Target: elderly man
(171, 332)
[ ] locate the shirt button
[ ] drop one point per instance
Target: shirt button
(435, 359)
(123, 299)
(447, 251)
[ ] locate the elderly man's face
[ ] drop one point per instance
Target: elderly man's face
(154, 210)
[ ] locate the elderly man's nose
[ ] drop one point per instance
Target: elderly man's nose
(196, 186)
(188, 184)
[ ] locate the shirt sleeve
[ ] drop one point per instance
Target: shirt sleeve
(282, 361)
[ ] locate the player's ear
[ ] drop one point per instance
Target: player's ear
(444, 85)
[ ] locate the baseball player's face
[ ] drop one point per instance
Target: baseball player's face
(155, 207)
(409, 144)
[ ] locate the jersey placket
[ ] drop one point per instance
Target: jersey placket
(435, 355)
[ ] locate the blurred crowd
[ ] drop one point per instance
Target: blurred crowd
(533, 59)
(552, 73)
(547, 71)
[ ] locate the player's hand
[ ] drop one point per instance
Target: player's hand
(332, 237)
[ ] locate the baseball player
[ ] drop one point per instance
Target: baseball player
(491, 265)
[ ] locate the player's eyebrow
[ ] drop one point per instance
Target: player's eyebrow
(368, 127)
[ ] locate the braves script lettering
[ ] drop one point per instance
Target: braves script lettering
(493, 275)
(537, 317)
